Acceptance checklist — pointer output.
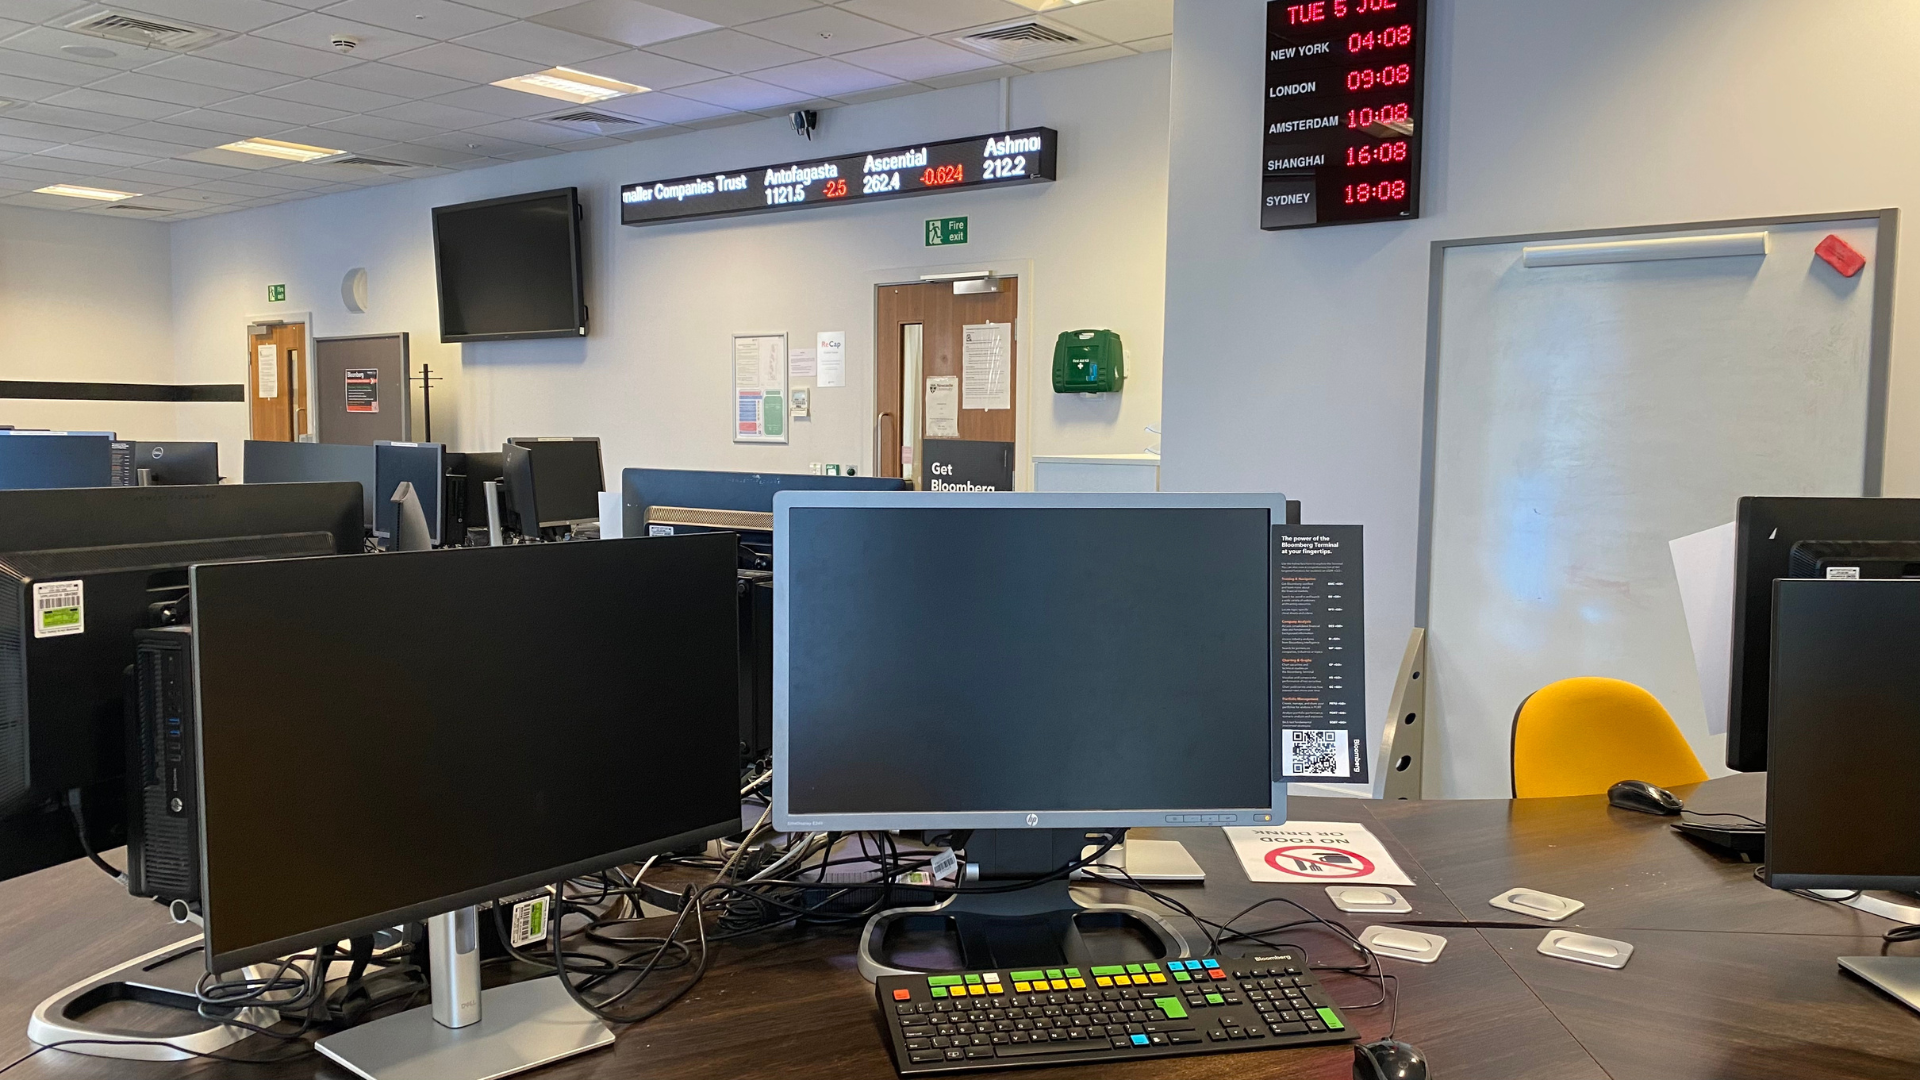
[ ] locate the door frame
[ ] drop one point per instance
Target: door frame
(305, 319)
(1023, 346)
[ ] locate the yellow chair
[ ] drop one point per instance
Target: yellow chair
(1582, 736)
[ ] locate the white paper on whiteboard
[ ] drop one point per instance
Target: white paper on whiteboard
(1703, 565)
(269, 370)
(831, 359)
(986, 366)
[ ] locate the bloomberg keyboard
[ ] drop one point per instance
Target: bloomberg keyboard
(1118, 1012)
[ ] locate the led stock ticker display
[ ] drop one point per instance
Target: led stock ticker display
(1343, 111)
(1012, 157)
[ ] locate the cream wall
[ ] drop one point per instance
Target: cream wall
(1296, 360)
(652, 379)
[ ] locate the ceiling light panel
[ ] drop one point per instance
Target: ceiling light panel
(274, 148)
(567, 84)
(75, 191)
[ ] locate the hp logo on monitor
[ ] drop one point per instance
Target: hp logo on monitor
(1033, 819)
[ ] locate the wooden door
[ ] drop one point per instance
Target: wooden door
(276, 381)
(926, 321)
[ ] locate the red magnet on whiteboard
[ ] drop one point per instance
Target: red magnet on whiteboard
(1840, 255)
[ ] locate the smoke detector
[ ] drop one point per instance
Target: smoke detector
(344, 43)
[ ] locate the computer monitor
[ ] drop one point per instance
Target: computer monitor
(467, 497)
(80, 570)
(166, 463)
(670, 501)
(298, 462)
(54, 460)
(1767, 530)
(1020, 663)
(552, 484)
(422, 464)
(587, 721)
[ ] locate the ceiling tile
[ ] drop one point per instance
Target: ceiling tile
(230, 124)
(113, 104)
(334, 96)
(443, 117)
(49, 68)
(521, 9)
(315, 30)
(275, 56)
(967, 78)
(95, 155)
(740, 93)
(731, 50)
(274, 178)
(627, 21)
(205, 72)
(240, 15)
(232, 159)
(398, 81)
(332, 138)
(533, 132)
(84, 119)
(539, 151)
(460, 62)
(662, 108)
(497, 101)
(381, 127)
(1073, 59)
(132, 144)
(825, 78)
(421, 155)
(437, 19)
(142, 85)
(146, 178)
(1152, 44)
(15, 88)
(182, 168)
(542, 45)
(937, 16)
(919, 58)
(174, 133)
(901, 89)
(237, 187)
(826, 31)
(50, 41)
(1120, 20)
(649, 70)
(469, 142)
(42, 10)
(735, 12)
(11, 144)
(52, 133)
(286, 112)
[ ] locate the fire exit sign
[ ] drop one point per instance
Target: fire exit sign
(276, 294)
(944, 231)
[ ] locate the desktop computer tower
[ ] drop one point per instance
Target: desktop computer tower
(163, 844)
(755, 592)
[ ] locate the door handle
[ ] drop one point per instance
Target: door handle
(880, 441)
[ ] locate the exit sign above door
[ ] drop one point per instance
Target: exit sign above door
(276, 294)
(944, 231)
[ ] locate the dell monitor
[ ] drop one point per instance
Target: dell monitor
(594, 728)
(552, 485)
(138, 464)
(55, 460)
(424, 465)
(1073, 662)
(1768, 529)
(300, 463)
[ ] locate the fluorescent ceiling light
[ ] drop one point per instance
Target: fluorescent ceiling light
(1047, 5)
(579, 87)
(274, 148)
(75, 191)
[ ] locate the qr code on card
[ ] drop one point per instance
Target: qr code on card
(1313, 753)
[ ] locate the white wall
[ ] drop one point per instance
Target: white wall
(653, 378)
(85, 298)
(1296, 360)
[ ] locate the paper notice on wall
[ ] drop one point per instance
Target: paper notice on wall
(1704, 566)
(943, 406)
(801, 365)
(760, 388)
(986, 366)
(363, 390)
(832, 358)
(1319, 852)
(269, 370)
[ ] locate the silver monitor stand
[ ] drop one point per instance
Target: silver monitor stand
(164, 978)
(526, 1024)
(1899, 976)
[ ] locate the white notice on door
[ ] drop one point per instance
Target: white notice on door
(943, 406)
(986, 363)
(269, 370)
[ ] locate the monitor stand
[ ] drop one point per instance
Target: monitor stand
(526, 1025)
(1899, 976)
(1043, 926)
(164, 978)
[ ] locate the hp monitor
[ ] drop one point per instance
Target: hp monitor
(54, 460)
(298, 463)
(422, 464)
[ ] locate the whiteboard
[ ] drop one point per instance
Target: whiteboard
(1579, 418)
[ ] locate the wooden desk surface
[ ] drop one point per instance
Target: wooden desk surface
(1730, 979)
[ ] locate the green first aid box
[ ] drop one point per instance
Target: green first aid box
(1088, 362)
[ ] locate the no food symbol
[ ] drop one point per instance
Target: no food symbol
(1319, 862)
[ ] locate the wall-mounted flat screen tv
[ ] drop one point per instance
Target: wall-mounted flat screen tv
(511, 267)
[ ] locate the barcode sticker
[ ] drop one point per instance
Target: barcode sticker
(1314, 753)
(945, 863)
(59, 608)
(659, 530)
(1843, 573)
(529, 923)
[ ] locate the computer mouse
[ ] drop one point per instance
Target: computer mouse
(1644, 797)
(1389, 1060)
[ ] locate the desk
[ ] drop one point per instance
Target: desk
(1730, 979)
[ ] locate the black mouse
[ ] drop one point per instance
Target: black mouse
(1644, 797)
(1389, 1060)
